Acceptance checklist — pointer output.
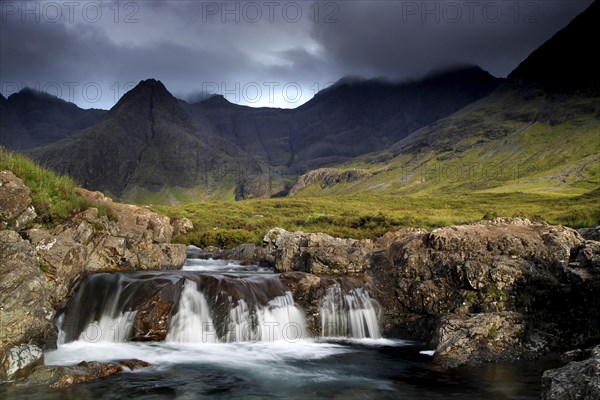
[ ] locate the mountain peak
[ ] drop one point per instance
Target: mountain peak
(216, 100)
(28, 94)
(564, 62)
(147, 93)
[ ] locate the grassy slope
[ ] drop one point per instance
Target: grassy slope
(370, 215)
(53, 196)
(509, 142)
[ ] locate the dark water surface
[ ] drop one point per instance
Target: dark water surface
(367, 369)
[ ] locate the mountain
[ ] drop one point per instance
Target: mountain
(146, 145)
(356, 117)
(566, 61)
(353, 117)
(538, 132)
(31, 118)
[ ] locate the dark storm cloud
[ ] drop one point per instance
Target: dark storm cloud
(406, 38)
(259, 53)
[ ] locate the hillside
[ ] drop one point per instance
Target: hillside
(538, 132)
(513, 140)
(30, 119)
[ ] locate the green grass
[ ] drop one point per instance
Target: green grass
(53, 196)
(230, 223)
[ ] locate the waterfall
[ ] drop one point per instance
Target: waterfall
(352, 314)
(100, 318)
(207, 307)
(279, 319)
(193, 322)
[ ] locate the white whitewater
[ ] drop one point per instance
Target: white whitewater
(353, 314)
(280, 319)
(193, 322)
(109, 328)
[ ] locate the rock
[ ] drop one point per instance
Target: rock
(248, 254)
(134, 364)
(590, 233)
(327, 177)
(57, 377)
(15, 202)
(475, 338)
(90, 243)
(576, 380)
(546, 273)
(194, 252)
(20, 360)
(181, 226)
(153, 314)
(25, 313)
(317, 253)
(587, 256)
(133, 222)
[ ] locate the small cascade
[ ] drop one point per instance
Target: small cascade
(193, 322)
(278, 319)
(109, 328)
(351, 314)
(98, 318)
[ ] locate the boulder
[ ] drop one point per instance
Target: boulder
(317, 253)
(25, 312)
(181, 226)
(57, 377)
(19, 361)
(590, 233)
(248, 254)
(577, 380)
(16, 210)
(133, 222)
(470, 339)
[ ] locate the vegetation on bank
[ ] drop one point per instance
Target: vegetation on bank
(231, 223)
(227, 224)
(53, 196)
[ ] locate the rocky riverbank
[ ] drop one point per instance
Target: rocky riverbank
(489, 291)
(40, 266)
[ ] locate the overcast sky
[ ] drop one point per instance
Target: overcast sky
(263, 53)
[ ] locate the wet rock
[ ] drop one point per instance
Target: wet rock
(16, 210)
(194, 252)
(476, 338)
(317, 253)
(155, 311)
(248, 254)
(134, 364)
(25, 313)
(56, 377)
(576, 380)
(19, 361)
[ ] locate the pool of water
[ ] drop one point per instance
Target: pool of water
(305, 369)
